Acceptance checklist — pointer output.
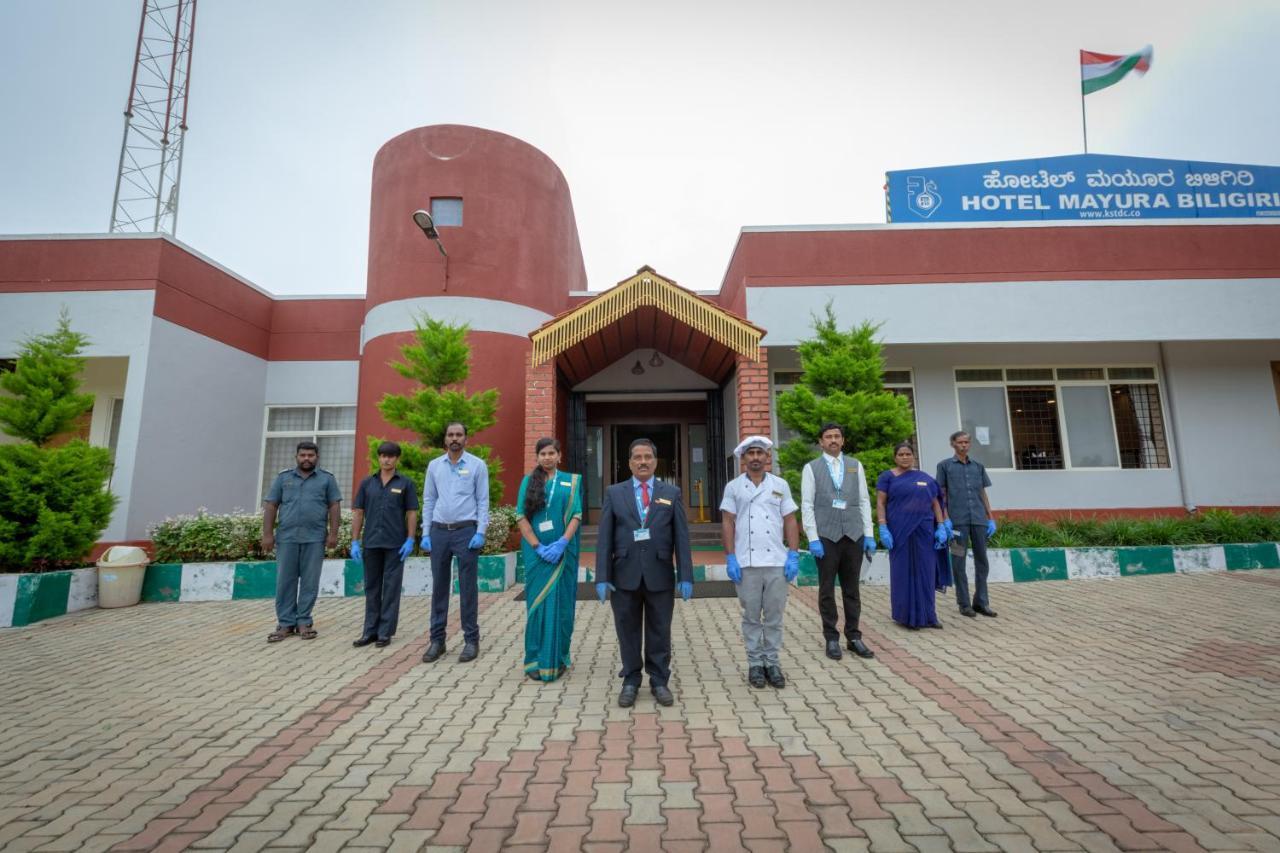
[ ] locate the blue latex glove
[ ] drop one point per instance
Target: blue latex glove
(951, 529)
(991, 527)
(686, 589)
(544, 553)
(425, 544)
(406, 549)
(791, 568)
(556, 550)
(477, 542)
(734, 568)
(940, 537)
(869, 545)
(886, 538)
(604, 588)
(816, 549)
(357, 553)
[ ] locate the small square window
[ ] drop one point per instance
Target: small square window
(446, 212)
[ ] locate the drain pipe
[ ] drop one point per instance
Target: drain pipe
(1183, 489)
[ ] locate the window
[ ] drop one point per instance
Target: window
(1045, 418)
(446, 212)
(332, 428)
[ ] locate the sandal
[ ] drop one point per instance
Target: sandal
(281, 633)
(307, 632)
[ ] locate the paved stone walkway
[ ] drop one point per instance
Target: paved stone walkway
(1136, 714)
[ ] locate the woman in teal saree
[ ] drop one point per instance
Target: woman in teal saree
(549, 512)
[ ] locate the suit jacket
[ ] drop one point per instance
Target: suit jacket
(622, 561)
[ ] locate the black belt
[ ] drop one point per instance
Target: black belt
(455, 526)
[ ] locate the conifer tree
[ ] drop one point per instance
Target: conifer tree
(843, 382)
(54, 502)
(439, 362)
(42, 401)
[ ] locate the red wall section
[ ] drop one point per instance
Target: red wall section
(497, 361)
(88, 264)
(909, 255)
(518, 241)
(316, 329)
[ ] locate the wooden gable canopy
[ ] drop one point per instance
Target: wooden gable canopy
(646, 311)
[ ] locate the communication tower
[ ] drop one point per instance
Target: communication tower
(155, 119)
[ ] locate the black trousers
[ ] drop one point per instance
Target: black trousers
(841, 559)
(644, 614)
(383, 582)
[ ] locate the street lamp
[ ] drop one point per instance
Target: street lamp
(423, 220)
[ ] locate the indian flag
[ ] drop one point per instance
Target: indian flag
(1100, 70)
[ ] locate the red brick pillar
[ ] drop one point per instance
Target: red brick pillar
(539, 408)
(753, 397)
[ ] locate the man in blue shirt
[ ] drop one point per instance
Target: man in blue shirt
(967, 514)
(306, 498)
(455, 515)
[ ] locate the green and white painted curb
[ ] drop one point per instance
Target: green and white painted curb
(338, 579)
(25, 599)
(31, 598)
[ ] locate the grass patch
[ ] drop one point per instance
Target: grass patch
(1211, 527)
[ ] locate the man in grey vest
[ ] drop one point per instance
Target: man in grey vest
(835, 508)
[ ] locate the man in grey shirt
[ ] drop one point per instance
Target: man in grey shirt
(967, 512)
(307, 499)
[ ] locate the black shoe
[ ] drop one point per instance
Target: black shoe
(627, 697)
(937, 625)
(363, 641)
(433, 652)
(662, 695)
(383, 642)
(469, 652)
(968, 611)
(833, 650)
(755, 676)
(984, 610)
(860, 649)
(776, 678)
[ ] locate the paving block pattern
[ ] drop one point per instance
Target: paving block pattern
(1139, 714)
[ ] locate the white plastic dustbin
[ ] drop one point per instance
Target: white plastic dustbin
(121, 569)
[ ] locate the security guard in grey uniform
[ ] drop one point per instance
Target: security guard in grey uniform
(306, 498)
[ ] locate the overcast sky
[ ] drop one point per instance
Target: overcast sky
(675, 123)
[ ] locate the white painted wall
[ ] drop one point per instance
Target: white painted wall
(201, 440)
(1002, 312)
(118, 323)
(671, 375)
(1229, 419)
(311, 383)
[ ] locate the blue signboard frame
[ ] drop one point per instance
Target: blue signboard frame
(1082, 187)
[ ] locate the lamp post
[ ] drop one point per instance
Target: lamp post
(423, 220)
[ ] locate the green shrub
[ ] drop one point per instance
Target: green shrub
(213, 537)
(53, 505)
(1210, 527)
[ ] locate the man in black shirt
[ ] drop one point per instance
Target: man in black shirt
(386, 511)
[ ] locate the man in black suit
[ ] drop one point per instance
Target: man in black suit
(643, 545)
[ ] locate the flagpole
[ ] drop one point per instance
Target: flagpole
(1084, 122)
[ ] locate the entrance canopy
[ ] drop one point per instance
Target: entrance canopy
(646, 311)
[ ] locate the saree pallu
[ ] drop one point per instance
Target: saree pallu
(550, 589)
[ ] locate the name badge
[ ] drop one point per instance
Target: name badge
(546, 525)
(396, 491)
(641, 535)
(666, 501)
(463, 472)
(839, 503)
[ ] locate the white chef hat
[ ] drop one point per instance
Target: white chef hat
(752, 441)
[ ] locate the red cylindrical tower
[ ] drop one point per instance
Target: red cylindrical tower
(511, 264)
